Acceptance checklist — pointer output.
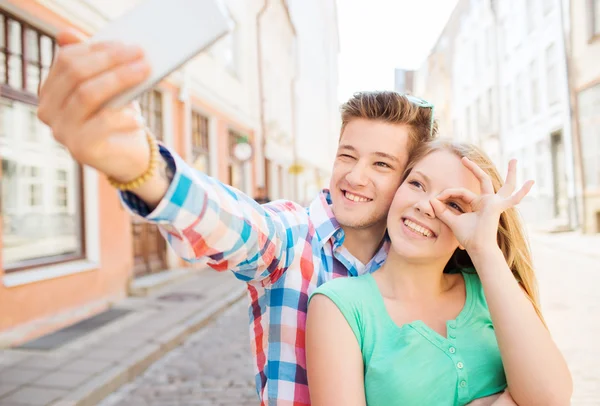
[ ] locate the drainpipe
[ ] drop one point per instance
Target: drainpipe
(578, 198)
(294, 135)
(261, 96)
(497, 33)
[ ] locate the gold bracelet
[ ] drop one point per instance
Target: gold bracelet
(143, 178)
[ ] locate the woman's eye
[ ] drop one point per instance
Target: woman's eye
(346, 156)
(382, 165)
(415, 184)
(455, 207)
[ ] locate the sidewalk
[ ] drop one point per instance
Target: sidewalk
(573, 241)
(86, 370)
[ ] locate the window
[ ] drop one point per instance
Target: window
(594, 19)
(489, 45)
(535, 87)
(152, 111)
(541, 157)
(530, 11)
(200, 146)
(237, 177)
(225, 51)
(482, 119)
(509, 111)
(27, 53)
(6, 112)
(589, 127)
(520, 98)
(62, 190)
(475, 58)
(468, 134)
(525, 164)
(551, 74)
(35, 231)
(490, 106)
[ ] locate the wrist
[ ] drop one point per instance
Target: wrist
(485, 253)
(156, 187)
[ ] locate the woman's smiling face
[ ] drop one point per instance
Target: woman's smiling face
(414, 230)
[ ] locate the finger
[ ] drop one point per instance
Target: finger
(511, 179)
(69, 37)
(107, 122)
(443, 213)
(65, 38)
(90, 96)
(484, 179)
(77, 65)
(517, 197)
(463, 194)
(71, 43)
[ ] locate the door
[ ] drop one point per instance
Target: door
(559, 172)
(149, 247)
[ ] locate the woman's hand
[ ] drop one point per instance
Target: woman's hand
(476, 230)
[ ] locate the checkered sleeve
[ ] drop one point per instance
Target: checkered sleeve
(210, 223)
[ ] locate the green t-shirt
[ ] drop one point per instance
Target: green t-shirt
(413, 364)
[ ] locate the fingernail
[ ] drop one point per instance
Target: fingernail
(133, 50)
(140, 66)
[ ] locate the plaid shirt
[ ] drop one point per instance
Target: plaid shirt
(281, 250)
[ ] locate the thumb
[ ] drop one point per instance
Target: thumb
(69, 37)
(442, 212)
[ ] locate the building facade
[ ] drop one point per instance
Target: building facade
(68, 247)
(317, 123)
(433, 80)
(585, 81)
(510, 95)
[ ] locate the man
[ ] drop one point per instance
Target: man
(281, 250)
(262, 196)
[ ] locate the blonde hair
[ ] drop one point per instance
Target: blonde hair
(394, 108)
(511, 234)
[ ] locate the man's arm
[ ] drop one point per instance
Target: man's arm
(203, 219)
(208, 222)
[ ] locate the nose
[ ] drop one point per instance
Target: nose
(358, 175)
(424, 207)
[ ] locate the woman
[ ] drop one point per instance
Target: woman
(453, 316)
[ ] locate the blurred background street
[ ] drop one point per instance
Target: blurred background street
(90, 297)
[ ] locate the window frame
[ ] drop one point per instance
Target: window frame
(25, 96)
(200, 124)
(593, 23)
(151, 106)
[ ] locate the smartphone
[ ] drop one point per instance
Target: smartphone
(171, 32)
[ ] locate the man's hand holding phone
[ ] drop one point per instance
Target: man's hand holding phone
(83, 78)
(87, 97)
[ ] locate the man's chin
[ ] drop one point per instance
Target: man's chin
(355, 222)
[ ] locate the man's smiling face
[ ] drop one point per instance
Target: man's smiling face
(370, 160)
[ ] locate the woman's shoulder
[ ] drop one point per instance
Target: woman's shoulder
(350, 287)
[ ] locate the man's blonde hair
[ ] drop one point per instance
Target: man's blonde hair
(394, 108)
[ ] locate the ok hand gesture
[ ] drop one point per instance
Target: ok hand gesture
(476, 230)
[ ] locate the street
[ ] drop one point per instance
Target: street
(214, 366)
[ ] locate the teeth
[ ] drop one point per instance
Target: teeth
(355, 198)
(418, 228)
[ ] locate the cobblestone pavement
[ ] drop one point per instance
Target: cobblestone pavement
(213, 367)
(570, 294)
